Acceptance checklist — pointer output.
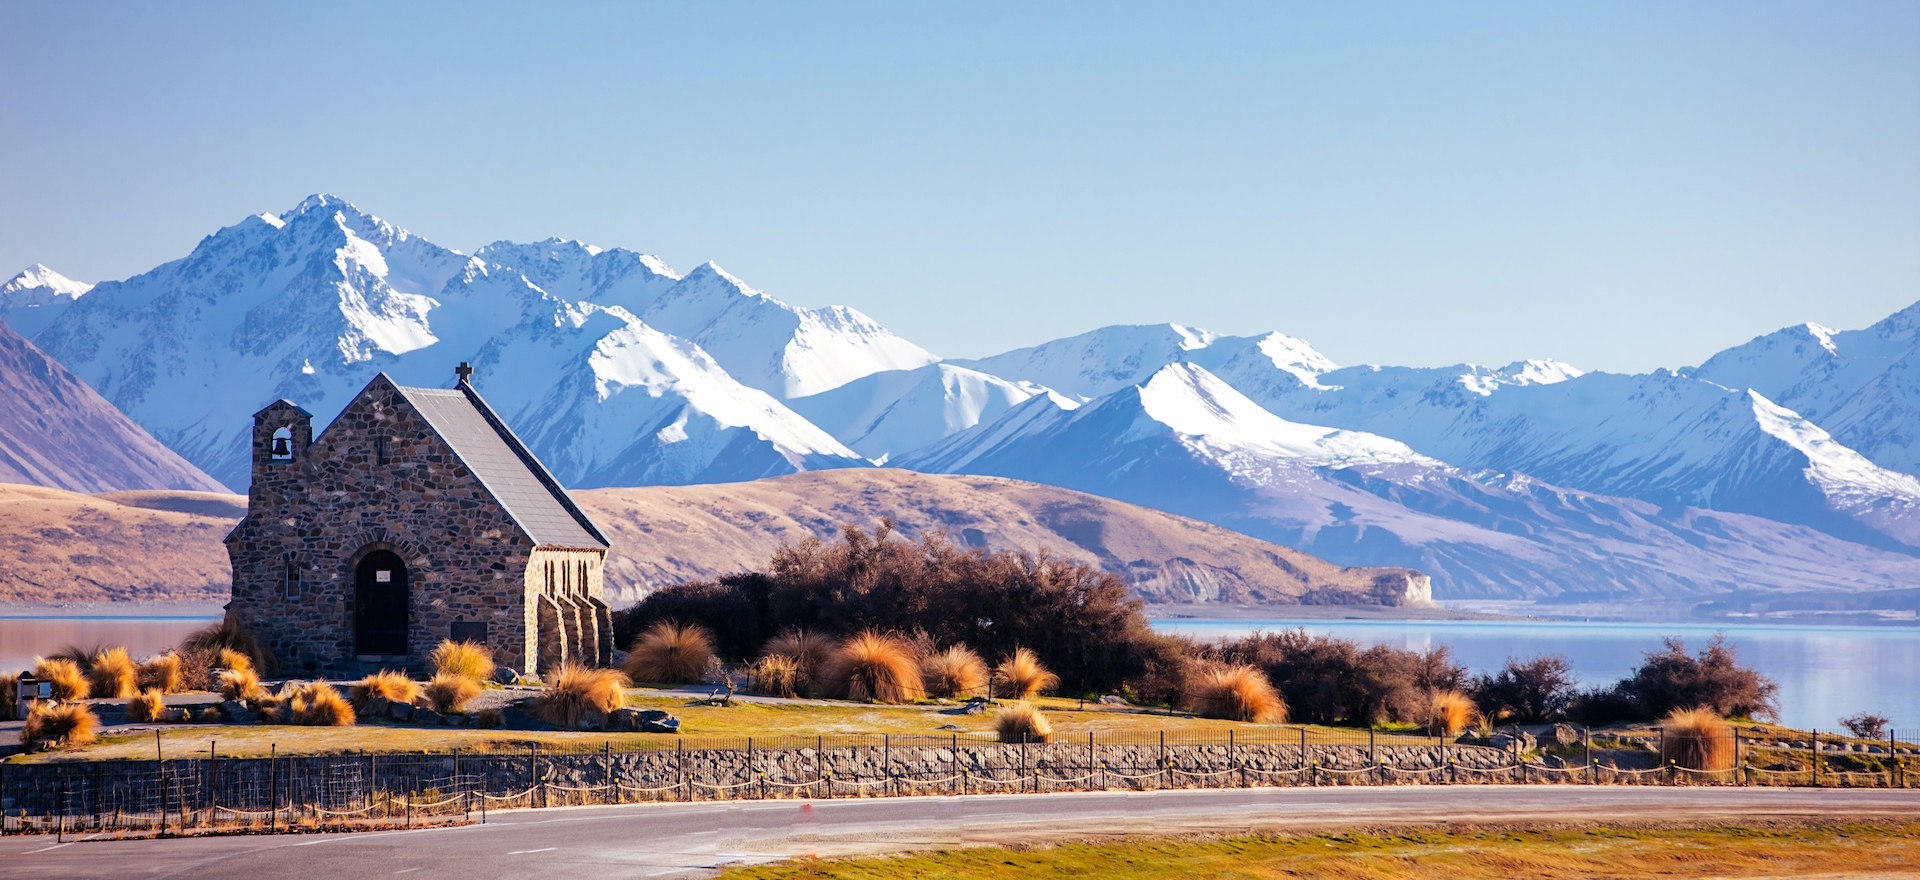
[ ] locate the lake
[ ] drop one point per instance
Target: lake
(1825, 672)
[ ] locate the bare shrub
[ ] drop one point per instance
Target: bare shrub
(1236, 693)
(1449, 712)
(1528, 691)
(955, 672)
(450, 691)
(870, 666)
(576, 693)
(1022, 677)
(317, 704)
(774, 675)
(394, 686)
(1022, 723)
(146, 705)
(668, 653)
(1866, 726)
(163, 673)
(60, 724)
(69, 683)
(1326, 680)
(1696, 739)
(1670, 679)
(466, 659)
(111, 674)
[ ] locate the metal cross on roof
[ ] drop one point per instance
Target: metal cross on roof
(464, 372)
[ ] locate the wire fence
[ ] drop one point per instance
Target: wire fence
(218, 794)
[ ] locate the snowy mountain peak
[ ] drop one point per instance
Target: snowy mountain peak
(43, 284)
(1192, 338)
(32, 299)
(1824, 335)
(1842, 474)
(1197, 404)
(1484, 380)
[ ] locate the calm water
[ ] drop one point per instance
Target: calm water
(1825, 673)
(23, 638)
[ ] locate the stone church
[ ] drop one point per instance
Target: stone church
(416, 516)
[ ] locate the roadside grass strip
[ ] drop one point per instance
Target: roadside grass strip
(1772, 850)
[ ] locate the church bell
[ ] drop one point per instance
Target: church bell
(282, 447)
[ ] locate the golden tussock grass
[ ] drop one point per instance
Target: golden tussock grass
(111, 674)
(465, 659)
(1022, 677)
(69, 683)
(163, 673)
(216, 639)
(1854, 849)
(60, 724)
(1696, 739)
(317, 704)
(395, 686)
(1022, 722)
(1236, 693)
(871, 666)
(449, 692)
(9, 695)
(146, 705)
(1450, 712)
(774, 675)
(241, 684)
(576, 692)
(955, 672)
(668, 653)
(228, 658)
(809, 652)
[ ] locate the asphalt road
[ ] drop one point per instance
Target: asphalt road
(690, 840)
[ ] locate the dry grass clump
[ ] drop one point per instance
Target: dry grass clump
(163, 673)
(69, 683)
(228, 658)
(395, 686)
(775, 675)
(60, 724)
(470, 660)
(1236, 693)
(1021, 677)
(241, 684)
(9, 695)
(874, 667)
(575, 693)
(449, 692)
(1449, 712)
(229, 635)
(810, 652)
(1022, 723)
(146, 705)
(490, 718)
(955, 672)
(669, 653)
(1697, 739)
(111, 674)
(317, 704)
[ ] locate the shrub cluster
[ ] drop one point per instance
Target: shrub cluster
(1670, 680)
(1325, 680)
(1078, 617)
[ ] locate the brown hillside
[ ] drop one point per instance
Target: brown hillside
(153, 545)
(59, 546)
(664, 535)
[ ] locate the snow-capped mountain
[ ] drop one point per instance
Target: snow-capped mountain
(1185, 442)
(887, 413)
(309, 305)
(32, 299)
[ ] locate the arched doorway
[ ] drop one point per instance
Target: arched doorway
(380, 605)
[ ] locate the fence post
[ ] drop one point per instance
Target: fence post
(273, 785)
(750, 770)
(680, 764)
(1373, 755)
(953, 766)
(164, 788)
(1301, 761)
(1166, 769)
(1089, 760)
(1815, 756)
(886, 761)
(1665, 765)
(606, 766)
(1586, 761)
(213, 782)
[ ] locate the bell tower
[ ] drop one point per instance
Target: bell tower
(281, 434)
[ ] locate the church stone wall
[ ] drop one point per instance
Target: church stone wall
(380, 478)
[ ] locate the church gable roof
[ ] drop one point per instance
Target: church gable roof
(497, 458)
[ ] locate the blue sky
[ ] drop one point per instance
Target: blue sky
(1619, 185)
